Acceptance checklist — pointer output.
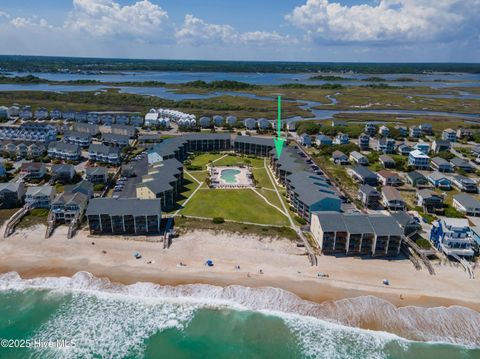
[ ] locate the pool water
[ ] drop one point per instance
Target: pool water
(229, 176)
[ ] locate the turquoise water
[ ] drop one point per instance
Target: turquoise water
(142, 321)
(229, 176)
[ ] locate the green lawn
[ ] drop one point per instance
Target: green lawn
(238, 205)
(203, 159)
(233, 160)
(271, 196)
(262, 178)
(199, 175)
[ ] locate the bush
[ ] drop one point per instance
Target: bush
(218, 220)
(423, 243)
(194, 168)
(300, 220)
(453, 213)
(99, 187)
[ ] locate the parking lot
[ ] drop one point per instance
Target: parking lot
(129, 188)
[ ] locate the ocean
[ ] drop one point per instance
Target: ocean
(86, 317)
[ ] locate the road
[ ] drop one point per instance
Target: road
(141, 169)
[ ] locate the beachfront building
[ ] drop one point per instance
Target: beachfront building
(124, 216)
(406, 222)
(441, 146)
(449, 135)
(364, 142)
(363, 175)
(64, 151)
(67, 205)
(430, 201)
(250, 123)
(96, 174)
(392, 199)
(13, 111)
(40, 196)
(56, 114)
(356, 234)
(82, 139)
(419, 160)
(206, 142)
(84, 187)
(439, 180)
(358, 158)
(12, 194)
(369, 196)
(441, 164)
(102, 153)
(466, 204)
(453, 236)
(258, 146)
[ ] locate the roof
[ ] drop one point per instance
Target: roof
(96, 171)
(62, 146)
(460, 162)
(44, 190)
(386, 174)
(100, 148)
(32, 166)
(463, 179)
(418, 154)
(357, 155)
(439, 161)
(63, 167)
(71, 198)
(403, 218)
(323, 138)
(77, 134)
(84, 187)
(124, 206)
(436, 176)
(157, 186)
(386, 158)
(255, 140)
(311, 188)
(415, 176)
(367, 189)
(364, 172)
(208, 136)
(115, 137)
(358, 223)
(442, 142)
(338, 154)
(391, 194)
(427, 193)
(10, 186)
(467, 201)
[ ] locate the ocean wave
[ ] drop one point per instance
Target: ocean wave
(456, 325)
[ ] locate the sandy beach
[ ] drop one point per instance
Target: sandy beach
(282, 263)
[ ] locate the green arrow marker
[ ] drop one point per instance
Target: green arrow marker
(279, 142)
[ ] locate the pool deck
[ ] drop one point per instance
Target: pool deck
(243, 178)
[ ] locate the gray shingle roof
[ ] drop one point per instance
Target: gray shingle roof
(255, 140)
(467, 201)
(124, 206)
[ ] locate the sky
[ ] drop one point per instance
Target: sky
(273, 30)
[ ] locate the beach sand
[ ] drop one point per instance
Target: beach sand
(283, 264)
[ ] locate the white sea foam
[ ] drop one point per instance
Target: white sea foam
(129, 314)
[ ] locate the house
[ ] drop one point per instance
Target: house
(386, 161)
(430, 201)
(463, 133)
(364, 142)
(56, 114)
(392, 199)
(3, 171)
(264, 124)
(250, 123)
(93, 118)
(83, 139)
(370, 129)
(423, 147)
(403, 130)
(92, 130)
(384, 131)
(41, 113)
(205, 122)
(124, 216)
(449, 135)
(122, 119)
(63, 171)
(12, 194)
(26, 113)
(419, 160)
(416, 179)
(415, 131)
(66, 206)
(40, 196)
(339, 123)
(102, 153)
(258, 146)
(358, 158)
(81, 116)
(29, 132)
(441, 164)
(123, 130)
(323, 140)
(361, 234)
(369, 196)
(69, 115)
(339, 158)
(404, 149)
(13, 111)
(231, 120)
(96, 174)
(461, 164)
(440, 146)
(453, 236)
(467, 204)
(33, 170)
(305, 140)
(64, 151)
(84, 187)
(386, 145)
(426, 128)
(341, 139)
(388, 178)
(465, 184)
(136, 120)
(3, 113)
(364, 175)
(406, 222)
(115, 140)
(439, 180)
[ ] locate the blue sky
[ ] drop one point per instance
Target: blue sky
(297, 30)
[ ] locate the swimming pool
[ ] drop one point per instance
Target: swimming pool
(229, 176)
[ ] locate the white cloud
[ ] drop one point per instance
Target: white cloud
(388, 20)
(197, 31)
(102, 18)
(20, 22)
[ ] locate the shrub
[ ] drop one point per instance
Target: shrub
(218, 220)
(99, 187)
(423, 243)
(300, 220)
